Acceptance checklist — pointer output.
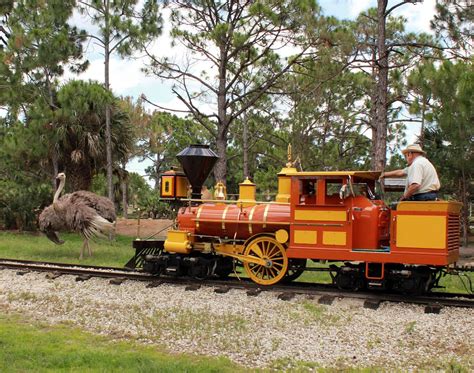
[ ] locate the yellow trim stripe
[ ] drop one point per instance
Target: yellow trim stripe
(265, 215)
(198, 215)
(250, 219)
(326, 215)
(334, 238)
(428, 206)
(262, 222)
(224, 215)
(305, 237)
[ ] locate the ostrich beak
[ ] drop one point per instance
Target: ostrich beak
(53, 236)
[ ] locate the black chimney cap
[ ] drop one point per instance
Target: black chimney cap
(197, 161)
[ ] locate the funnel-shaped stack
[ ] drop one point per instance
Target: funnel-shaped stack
(197, 162)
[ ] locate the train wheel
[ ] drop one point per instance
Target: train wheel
(295, 269)
(274, 255)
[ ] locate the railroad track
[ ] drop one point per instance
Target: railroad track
(326, 293)
(74, 269)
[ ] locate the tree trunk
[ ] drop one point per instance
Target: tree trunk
(380, 155)
(245, 147)
(124, 187)
(79, 177)
(108, 129)
(54, 153)
(55, 163)
(156, 173)
(124, 199)
(465, 209)
(421, 139)
(373, 110)
(220, 169)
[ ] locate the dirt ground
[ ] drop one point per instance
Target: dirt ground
(147, 227)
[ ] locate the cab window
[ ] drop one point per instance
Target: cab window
(308, 191)
(333, 189)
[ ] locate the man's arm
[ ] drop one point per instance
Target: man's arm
(412, 189)
(395, 173)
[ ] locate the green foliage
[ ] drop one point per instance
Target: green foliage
(153, 207)
(33, 346)
(453, 23)
(144, 200)
(450, 135)
(446, 94)
(124, 25)
(324, 125)
(161, 136)
(40, 44)
(21, 199)
(24, 187)
(99, 184)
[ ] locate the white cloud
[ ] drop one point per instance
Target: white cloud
(125, 75)
(418, 15)
(358, 6)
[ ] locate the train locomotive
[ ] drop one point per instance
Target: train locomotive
(333, 217)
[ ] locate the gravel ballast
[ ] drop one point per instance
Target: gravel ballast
(260, 331)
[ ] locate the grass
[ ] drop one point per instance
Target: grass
(318, 276)
(35, 347)
(457, 283)
(29, 246)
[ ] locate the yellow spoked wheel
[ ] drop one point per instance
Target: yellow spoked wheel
(273, 254)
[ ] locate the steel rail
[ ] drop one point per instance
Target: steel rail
(74, 269)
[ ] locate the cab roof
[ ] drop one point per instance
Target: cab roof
(368, 175)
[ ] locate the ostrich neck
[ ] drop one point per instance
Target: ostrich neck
(58, 191)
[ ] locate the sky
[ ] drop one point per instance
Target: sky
(128, 79)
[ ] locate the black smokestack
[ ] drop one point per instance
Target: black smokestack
(197, 162)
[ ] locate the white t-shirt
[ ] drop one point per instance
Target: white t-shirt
(422, 172)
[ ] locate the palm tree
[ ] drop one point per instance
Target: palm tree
(78, 131)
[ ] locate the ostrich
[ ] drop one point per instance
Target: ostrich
(81, 211)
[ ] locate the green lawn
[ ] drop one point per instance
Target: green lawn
(30, 246)
(34, 347)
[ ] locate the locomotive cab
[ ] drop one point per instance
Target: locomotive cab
(334, 212)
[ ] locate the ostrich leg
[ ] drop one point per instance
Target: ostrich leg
(84, 245)
(89, 248)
